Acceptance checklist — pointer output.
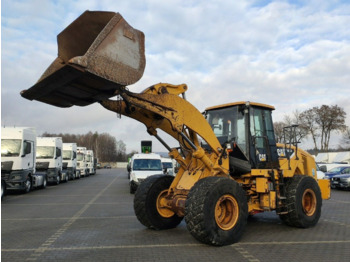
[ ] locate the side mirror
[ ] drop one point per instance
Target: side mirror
(323, 169)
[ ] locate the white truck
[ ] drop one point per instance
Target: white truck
(18, 167)
(143, 166)
(69, 165)
(90, 162)
(49, 159)
(81, 161)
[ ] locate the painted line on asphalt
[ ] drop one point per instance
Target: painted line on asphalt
(64, 218)
(244, 253)
(46, 245)
(238, 245)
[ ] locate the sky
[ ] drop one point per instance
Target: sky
(293, 55)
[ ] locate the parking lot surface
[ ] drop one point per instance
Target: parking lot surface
(92, 219)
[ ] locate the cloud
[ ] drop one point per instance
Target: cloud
(289, 54)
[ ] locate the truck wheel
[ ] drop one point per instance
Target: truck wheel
(3, 189)
(303, 201)
(147, 201)
(58, 179)
(216, 211)
(133, 188)
(43, 186)
(28, 185)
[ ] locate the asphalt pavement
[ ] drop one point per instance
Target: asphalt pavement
(92, 219)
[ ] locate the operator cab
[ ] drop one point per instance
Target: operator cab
(246, 128)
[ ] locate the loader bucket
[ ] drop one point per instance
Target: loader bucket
(98, 53)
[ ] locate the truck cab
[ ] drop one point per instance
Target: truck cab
(49, 158)
(69, 155)
(90, 162)
(17, 158)
(81, 161)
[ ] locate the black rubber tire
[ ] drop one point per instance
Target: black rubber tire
(58, 179)
(145, 206)
(43, 186)
(296, 215)
(133, 188)
(28, 186)
(200, 211)
(3, 189)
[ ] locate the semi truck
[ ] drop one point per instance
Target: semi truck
(49, 159)
(69, 155)
(18, 160)
(90, 161)
(81, 161)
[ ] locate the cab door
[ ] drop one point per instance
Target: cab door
(263, 145)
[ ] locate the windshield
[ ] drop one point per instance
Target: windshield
(335, 170)
(80, 157)
(10, 147)
(67, 155)
(167, 165)
(88, 158)
(147, 164)
(45, 152)
(228, 124)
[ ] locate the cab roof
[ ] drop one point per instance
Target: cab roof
(241, 103)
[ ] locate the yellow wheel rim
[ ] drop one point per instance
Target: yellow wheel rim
(162, 209)
(309, 202)
(226, 212)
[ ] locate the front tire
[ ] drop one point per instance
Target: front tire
(304, 202)
(3, 189)
(43, 186)
(216, 211)
(28, 185)
(147, 203)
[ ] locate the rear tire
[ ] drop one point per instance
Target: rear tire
(146, 201)
(216, 211)
(304, 202)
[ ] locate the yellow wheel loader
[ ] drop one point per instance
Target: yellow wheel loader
(230, 164)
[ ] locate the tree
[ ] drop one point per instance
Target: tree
(278, 127)
(283, 136)
(329, 118)
(345, 140)
(308, 123)
(105, 146)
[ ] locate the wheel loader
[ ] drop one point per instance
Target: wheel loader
(230, 164)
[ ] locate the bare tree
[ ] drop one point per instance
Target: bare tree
(329, 118)
(308, 123)
(278, 127)
(345, 140)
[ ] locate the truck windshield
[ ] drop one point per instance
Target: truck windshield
(147, 164)
(45, 152)
(10, 147)
(67, 155)
(80, 157)
(88, 158)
